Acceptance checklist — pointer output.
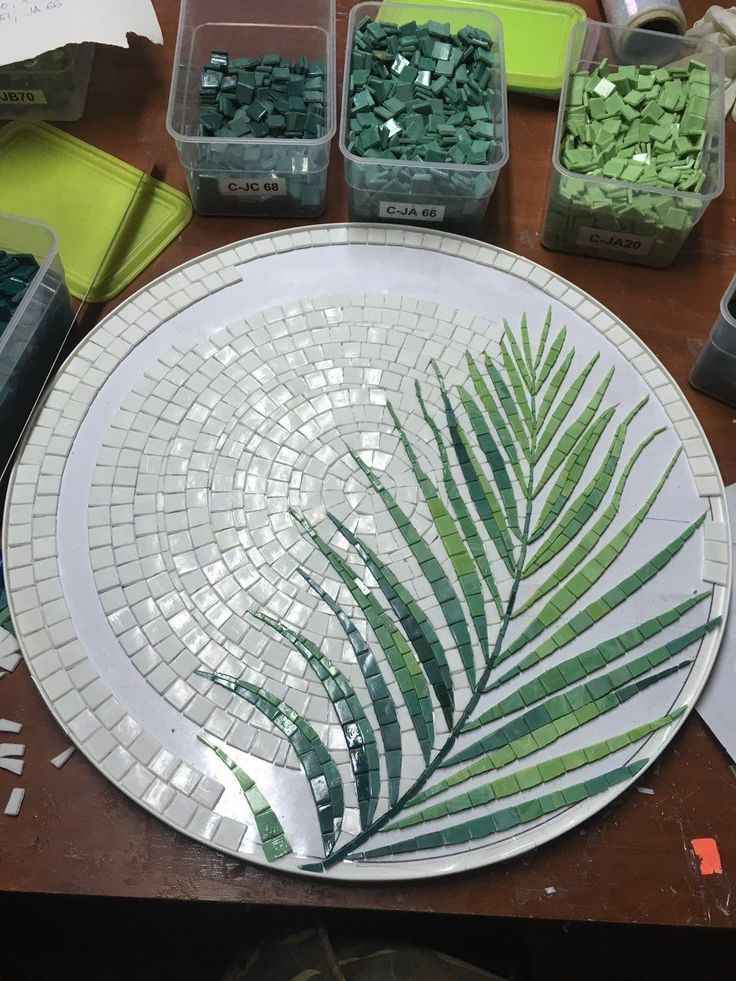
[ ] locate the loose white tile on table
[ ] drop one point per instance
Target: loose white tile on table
(15, 802)
(9, 662)
(63, 757)
(12, 765)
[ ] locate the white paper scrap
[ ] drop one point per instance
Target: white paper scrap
(716, 703)
(6, 725)
(11, 749)
(30, 27)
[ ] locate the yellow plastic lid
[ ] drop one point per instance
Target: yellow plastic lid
(83, 194)
(536, 37)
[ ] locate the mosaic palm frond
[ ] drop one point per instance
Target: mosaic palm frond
(526, 505)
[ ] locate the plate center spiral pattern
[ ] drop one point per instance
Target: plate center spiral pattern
(255, 422)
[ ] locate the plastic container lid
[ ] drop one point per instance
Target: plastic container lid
(83, 193)
(536, 36)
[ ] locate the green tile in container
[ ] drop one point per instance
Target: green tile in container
(444, 167)
(630, 178)
(246, 167)
(83, 194)
(30, 340)
(536, 36)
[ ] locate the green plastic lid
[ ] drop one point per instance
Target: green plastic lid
(536, 37)
(84, 194)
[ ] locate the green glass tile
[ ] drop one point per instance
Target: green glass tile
(442, 73)
(529, 811)
(273, 841)
(276, 848)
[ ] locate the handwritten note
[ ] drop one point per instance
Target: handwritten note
(30, 27)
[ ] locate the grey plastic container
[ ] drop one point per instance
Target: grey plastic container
(52, 86)
(31, 342)
(714, 372)
(452, 196)
(249, 176)
(600, 216)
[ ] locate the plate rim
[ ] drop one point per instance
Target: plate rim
(571, 816)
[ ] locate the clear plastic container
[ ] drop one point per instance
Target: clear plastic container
(452, 196)
(714, 372)
(32, 340)
(250, 176)
(616, 219)
(51, 86)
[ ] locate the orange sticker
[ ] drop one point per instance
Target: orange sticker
(706, 850)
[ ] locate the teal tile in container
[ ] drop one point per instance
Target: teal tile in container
(536, 35)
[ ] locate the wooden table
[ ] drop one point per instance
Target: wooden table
(79, 835)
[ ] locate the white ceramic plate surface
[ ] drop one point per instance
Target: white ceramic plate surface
(149, 516)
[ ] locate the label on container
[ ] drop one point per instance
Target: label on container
(623, 242)
(23, 97)
(411, 212)
(253, 187)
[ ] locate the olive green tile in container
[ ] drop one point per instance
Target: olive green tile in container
(639, 147)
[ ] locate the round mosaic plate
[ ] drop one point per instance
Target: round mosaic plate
(367, 552)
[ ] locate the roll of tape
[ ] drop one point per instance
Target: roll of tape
(653, 15)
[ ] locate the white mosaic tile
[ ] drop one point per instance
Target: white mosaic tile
(99, 745)
(137, 780)
(716, 572)
(117, 763)
(181, 810)
(204, 823)
(229, 834)
(158, 796)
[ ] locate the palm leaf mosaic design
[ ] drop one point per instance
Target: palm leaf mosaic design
(525, 529)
